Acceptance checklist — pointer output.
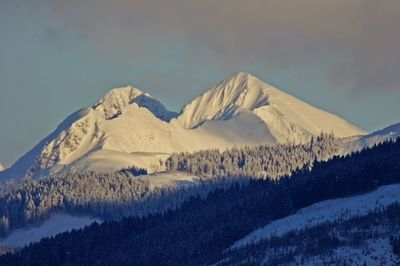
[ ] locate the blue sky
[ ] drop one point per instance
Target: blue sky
(58, 56)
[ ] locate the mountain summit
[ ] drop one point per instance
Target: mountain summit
(129, 127)
(224, 101)
(285, 116)
(114, 101)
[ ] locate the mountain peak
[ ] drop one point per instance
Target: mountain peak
(241, 75)
(127, 125)
(240, 91)
(283, 114)
(122, 93)
(241, 86)
(238, 79)
(112, 103)
(115, 100)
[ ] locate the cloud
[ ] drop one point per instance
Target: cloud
(358, 40)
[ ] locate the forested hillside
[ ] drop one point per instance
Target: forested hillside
(259, 161)
(104, 195)
(369, 239)
(117, 194)
(199, 231)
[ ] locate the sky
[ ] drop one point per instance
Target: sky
(58, 56)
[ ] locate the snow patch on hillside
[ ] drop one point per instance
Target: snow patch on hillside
(57, 223)
(173, 179)
(324, 211)
(356, 144)
(375, 252)
(244, 129)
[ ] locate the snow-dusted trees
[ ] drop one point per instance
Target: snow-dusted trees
(320, 244)
(395, 242)
(202, 229)
(117, 194)
(104, 195)
(259, 161)
(32, 200)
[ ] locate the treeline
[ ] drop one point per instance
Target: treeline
(134, 170)
(261, 161)
(200, 230)
(117, 194)
(104, 195)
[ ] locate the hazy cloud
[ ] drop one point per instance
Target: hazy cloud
(357, 39)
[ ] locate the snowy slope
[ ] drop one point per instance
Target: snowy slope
(123, 129)
(128, 127)
(356, 144)
(174, 179)
(285, 116)
(57, 223)
(86, 131)
(324, 211)
(29, 163)
(374, 252)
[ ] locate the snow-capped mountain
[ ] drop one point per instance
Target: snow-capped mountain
(112, 134)
(2, 167)
(128, 127)
(285, 116)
